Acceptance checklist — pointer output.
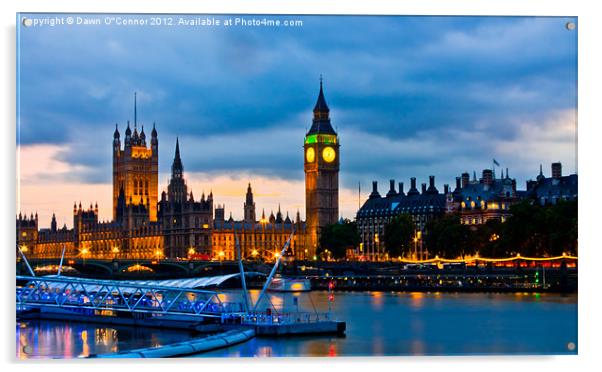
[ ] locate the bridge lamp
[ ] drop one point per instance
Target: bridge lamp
(191, 251)
(254, 253)
(158, 253)
(23, 248)
(85, 251)
(115, 249)
(276, 254)
(221, 254)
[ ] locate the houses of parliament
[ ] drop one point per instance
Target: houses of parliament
(175, 224)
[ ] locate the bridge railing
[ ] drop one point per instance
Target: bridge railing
(294, 317)
(101, 295)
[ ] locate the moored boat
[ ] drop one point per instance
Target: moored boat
(289, 285)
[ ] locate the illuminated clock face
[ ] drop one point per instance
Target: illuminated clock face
(329, 154)
(310, 155)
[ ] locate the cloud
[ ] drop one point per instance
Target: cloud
(410, 96)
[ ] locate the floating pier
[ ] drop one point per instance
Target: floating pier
(193, 346)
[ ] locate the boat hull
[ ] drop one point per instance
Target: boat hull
(290, 285)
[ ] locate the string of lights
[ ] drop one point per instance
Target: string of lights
(437, 259)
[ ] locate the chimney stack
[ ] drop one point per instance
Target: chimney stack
(556, 170)
(424, 188)
(458, 183)
(487, 177)
(446, 189)
(465, 179)
(432, 189)
(392, 191)
(413, 190)
(374, 193)
(401, 188)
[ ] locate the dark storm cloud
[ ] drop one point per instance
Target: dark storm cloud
(242, 97)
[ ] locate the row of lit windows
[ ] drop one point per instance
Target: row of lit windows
(483, 205)
(479, 220)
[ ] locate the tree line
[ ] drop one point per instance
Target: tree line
(532, 230)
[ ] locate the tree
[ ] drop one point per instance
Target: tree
(337, 238)
(486, 239)
(561, 220)
(398, 233)
(448, 237)
(525, 231)
(538, 231)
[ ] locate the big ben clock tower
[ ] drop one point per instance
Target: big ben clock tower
(321, 159)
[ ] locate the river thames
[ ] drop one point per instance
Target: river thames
(378, 324)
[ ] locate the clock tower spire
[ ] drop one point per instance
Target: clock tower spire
(321, 165)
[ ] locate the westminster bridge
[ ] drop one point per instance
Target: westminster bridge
(559, 275)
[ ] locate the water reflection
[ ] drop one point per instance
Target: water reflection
(53, 339)
(377, 300)
(417, 299)
(378, 323)
(386, 323)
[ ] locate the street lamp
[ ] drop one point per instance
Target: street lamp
(376, 242)
(263, 221)
(84, 252)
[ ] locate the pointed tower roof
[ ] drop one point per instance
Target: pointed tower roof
(116, 133)
(272, 217)
(321, 122)
(154, 132)
(540, 176)
(321, 105)
(135, 137)
(177, 168)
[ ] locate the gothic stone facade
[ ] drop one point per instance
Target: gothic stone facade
(177, 226)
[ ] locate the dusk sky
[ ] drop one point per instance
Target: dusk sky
(409, 97)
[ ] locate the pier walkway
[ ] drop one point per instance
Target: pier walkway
(102, 297)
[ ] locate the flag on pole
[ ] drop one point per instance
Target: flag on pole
(496, 163)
